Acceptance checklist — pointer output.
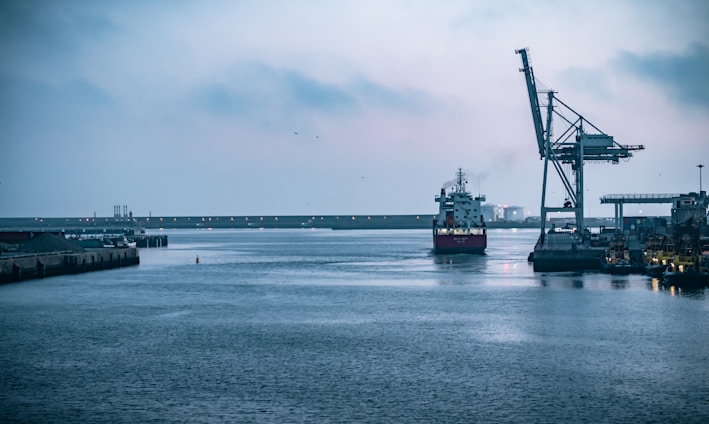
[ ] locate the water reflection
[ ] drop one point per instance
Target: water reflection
(698, 294)
(658, 285)
(600, 281)
(460, 269)
(561, 283)
(573, 280)
(509, 268)
(619, 284)
(459, 260)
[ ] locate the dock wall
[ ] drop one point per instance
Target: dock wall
(563, 252)
(40, 265)
(547, 260)
(151, 241)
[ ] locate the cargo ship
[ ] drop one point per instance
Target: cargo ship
(459, 226)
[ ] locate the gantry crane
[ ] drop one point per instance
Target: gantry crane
(573, 146)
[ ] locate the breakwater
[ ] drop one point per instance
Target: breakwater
(335, 222)
(151, 241)
(39, 265)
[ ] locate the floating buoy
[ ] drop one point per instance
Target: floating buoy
(196, 260)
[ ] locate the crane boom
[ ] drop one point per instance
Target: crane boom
(573, 146)
(533, 100)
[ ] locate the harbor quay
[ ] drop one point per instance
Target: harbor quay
(26, 255)
(18, 267)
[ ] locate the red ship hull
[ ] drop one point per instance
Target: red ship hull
(451, 243)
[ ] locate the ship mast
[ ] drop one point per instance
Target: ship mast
(460, 183)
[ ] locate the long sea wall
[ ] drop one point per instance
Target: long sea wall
(78, 225)
(40, 265)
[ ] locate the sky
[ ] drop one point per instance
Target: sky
(271, 107)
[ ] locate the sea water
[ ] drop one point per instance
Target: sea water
(349, 326)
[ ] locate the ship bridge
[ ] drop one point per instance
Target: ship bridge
(620, 199)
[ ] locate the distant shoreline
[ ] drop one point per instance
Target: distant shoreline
(336, 222)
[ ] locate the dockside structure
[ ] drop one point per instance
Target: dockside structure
(40, 265)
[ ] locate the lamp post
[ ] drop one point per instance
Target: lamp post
(700, 166)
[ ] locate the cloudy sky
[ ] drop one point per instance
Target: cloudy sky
(336, 107)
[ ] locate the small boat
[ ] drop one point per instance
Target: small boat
(659, 252)
(686, 264)
(686, 276)
(617, 259)
(655, 269)
(459, 226)
(621, 267)
(687, 268)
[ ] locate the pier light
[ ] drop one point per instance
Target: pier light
(700, 166)
(353, 218)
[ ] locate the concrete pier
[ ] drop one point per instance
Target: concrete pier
(151, 241)
(40, 265)
(26, 255)
(564, 252)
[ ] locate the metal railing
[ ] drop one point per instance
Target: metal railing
(640, 198)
